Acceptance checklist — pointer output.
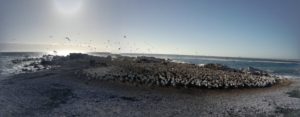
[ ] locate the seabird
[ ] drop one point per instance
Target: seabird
(67, 38)
(55, 52)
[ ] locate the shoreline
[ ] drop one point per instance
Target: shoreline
(58, 91)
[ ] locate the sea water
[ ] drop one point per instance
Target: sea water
(282, 68)
(8, 68)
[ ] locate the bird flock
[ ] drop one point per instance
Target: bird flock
(159, 72)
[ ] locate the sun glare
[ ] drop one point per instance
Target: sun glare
(68, 6)
(63, 52)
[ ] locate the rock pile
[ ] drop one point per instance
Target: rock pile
(160, 72)
(215, 66)
(73, 56)
(143, 59)
(37, 64)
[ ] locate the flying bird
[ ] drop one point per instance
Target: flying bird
(68, 38)
(55, 52)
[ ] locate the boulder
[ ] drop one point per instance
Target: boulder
(73, 56)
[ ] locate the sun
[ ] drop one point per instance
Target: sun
(68, 6)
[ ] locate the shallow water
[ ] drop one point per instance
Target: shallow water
(7, 67)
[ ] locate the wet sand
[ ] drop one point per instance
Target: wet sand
(58, 92)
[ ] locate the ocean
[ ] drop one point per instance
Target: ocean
(8, 68)
(282, 68)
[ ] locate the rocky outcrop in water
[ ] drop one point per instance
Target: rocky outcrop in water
(37, 64)
(160, 72)
(255, 71)
(157, 72)
(215, 66)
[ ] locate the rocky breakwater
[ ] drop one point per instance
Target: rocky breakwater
(160, 72)
(37, 64)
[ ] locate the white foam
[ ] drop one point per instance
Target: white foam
(177, 61)
(288, 76)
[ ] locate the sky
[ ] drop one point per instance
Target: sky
(234, 28)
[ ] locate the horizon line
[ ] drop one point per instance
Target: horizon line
(206, 56)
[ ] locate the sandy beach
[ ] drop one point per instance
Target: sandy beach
(59, 92)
